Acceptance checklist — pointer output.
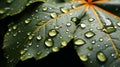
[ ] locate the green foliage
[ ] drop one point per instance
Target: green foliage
(40, 27)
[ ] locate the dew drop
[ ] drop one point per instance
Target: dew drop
(90, 48)
(101, 39)
(101, 57)
(118, 24)
(54, 15)
(40, 23)
(55, 49)
(68, 24)
(30, 44)
(2, 11)
(74, 19)
(45, 8)
(38, 37)
(49, 42)
(79, 42)
(64, 9)
(52, 33)
(39, 52)
(109, 29)
(82, 25)
(27, 21)
(89, 34)
(64, 43)
(9, 1)
(93, 41)
(91, 19)
(30, 37)
(22, 52)
(84, 58)
(14, 27)
(15, 34)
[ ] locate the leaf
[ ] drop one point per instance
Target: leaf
(97, 36)
(13, 7)
(40, 31)
(48, 27)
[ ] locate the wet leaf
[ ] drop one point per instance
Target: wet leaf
(13, 7)
(50, 26)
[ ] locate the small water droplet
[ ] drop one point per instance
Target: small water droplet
(64, 43)
(39, 52)
(91, 19)
(52, 33)
(40, 23)
(68, 24)
(54, 15)
(36, 10)
(93, 41)
(79, 42)
(64, 9)
(28, 33)
(22, 52)
(30, 44)
(82, 25)
(55, 49)
(118, 24)
(9, 29)
(9, 1)
(14, 27)
(30, 37)
(101, 57)
(90, 48)
(39, 37)
(2, 11)
(15, 34)
(84, 58)
(49, 42)
(27, 21)
(101, 39)
(89, 34)
(74, 19)
(73, 6)
(45, 8)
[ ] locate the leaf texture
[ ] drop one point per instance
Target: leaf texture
(49, 26)
(13, 7)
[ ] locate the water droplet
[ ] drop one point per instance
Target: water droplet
(91, 19)
(9, 1)
(36, 10)
(118, 24)
(101, 39)
(79, 42)
(27, 21)
(9, 29)
(54, 15)
(38, 37)
(30, 44)
(64, 43)
(2, 11)
(28, 33)
(74, 19)
(45, 8)
(73, 6)
(101, 57)
(90, 48)
(82, 25)
(14, 27)
(89, 34)
(22, 52)
(39, 52)
(40, 23)
(49, 42)
(30, 37)
(93, 41)
(64, 9)
(68, 24)
(55, 49)
(52, 33)
(84, 58)
(109, 29)
(15, 34)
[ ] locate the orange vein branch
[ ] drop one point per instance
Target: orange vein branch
(38, 28)
(113, 44)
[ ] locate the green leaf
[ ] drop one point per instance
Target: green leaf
(13, 7)
(40, 31)
(50, 26)
(97, 36)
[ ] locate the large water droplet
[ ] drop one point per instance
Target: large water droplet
(40, 23)
(52, 33)
(64, 9)
(109, 29)
(49, 42)
(89, 34)
(54, 15)
(55, 49)
(84, 58)
(101, 57)
(79, 42)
